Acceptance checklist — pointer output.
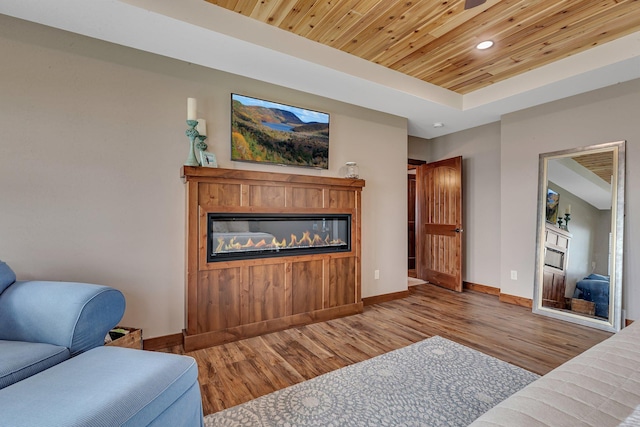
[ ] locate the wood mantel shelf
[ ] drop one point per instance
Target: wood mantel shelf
(236, 299)
(195, 172)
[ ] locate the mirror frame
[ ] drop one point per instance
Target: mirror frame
(614, 322)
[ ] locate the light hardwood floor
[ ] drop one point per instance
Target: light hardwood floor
(234, 373)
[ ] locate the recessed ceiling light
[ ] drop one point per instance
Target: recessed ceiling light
(484, 45)
(438, 125)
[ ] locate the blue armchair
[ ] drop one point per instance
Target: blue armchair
(43, 323)
(54, 369)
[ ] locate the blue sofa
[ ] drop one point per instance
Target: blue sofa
(55, 371)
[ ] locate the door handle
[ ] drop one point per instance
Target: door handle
(458, 230)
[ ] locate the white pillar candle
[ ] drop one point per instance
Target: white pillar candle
(192, 107)
(568, 210)
(202, 127)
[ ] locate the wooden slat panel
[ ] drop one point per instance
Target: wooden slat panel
(342, 282)
(263, 9)
(306, 197)
(435, 41)
(457, 47)
(266, 292)
(306, 286)
(536, 46)
(218, 299)
(219, 194)
(314, 17)
(342, 199)
(404, 46)
(365, 13)
(267, 196)
(245, 6)
(382, 33)
(339, 20)
(295, 14)
(279, 12)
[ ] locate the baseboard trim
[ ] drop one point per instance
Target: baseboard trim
(483, 289)
(162, 343)
(384, 298)
(515, 300)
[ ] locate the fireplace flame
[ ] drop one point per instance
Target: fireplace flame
(306, 240)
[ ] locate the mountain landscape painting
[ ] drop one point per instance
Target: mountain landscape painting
(268, 132)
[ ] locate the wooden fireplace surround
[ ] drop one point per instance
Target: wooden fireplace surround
(232, 300)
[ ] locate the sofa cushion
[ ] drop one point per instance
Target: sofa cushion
(106, 386)
(7, 276)
(19, 360)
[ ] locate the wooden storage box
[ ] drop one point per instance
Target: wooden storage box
(583, 306)
(133, 339)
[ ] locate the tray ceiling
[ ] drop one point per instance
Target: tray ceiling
(434, 41)
(545, 51)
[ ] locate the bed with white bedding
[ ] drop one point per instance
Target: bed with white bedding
(598, 388)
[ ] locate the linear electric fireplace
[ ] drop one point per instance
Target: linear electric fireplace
(267, 251)
(242, 236)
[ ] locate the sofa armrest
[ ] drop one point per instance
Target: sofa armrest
(72, 315)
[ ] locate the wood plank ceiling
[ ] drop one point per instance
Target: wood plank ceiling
(600, 164)
(435, 41)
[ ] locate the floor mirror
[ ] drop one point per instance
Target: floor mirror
(579, 243)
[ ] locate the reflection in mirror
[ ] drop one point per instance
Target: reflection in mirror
(579, 239)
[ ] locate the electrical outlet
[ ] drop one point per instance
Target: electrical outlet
(514, 275)
(376, 274)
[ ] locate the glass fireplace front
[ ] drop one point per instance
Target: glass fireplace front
(244, 236)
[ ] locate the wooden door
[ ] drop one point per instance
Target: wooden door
(439, 223)
(411, 208)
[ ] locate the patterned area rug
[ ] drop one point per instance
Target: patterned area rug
(435, 382)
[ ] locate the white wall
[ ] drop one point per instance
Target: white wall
(418, 148)
(90, 156)
(480, 151)
(604, 115)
